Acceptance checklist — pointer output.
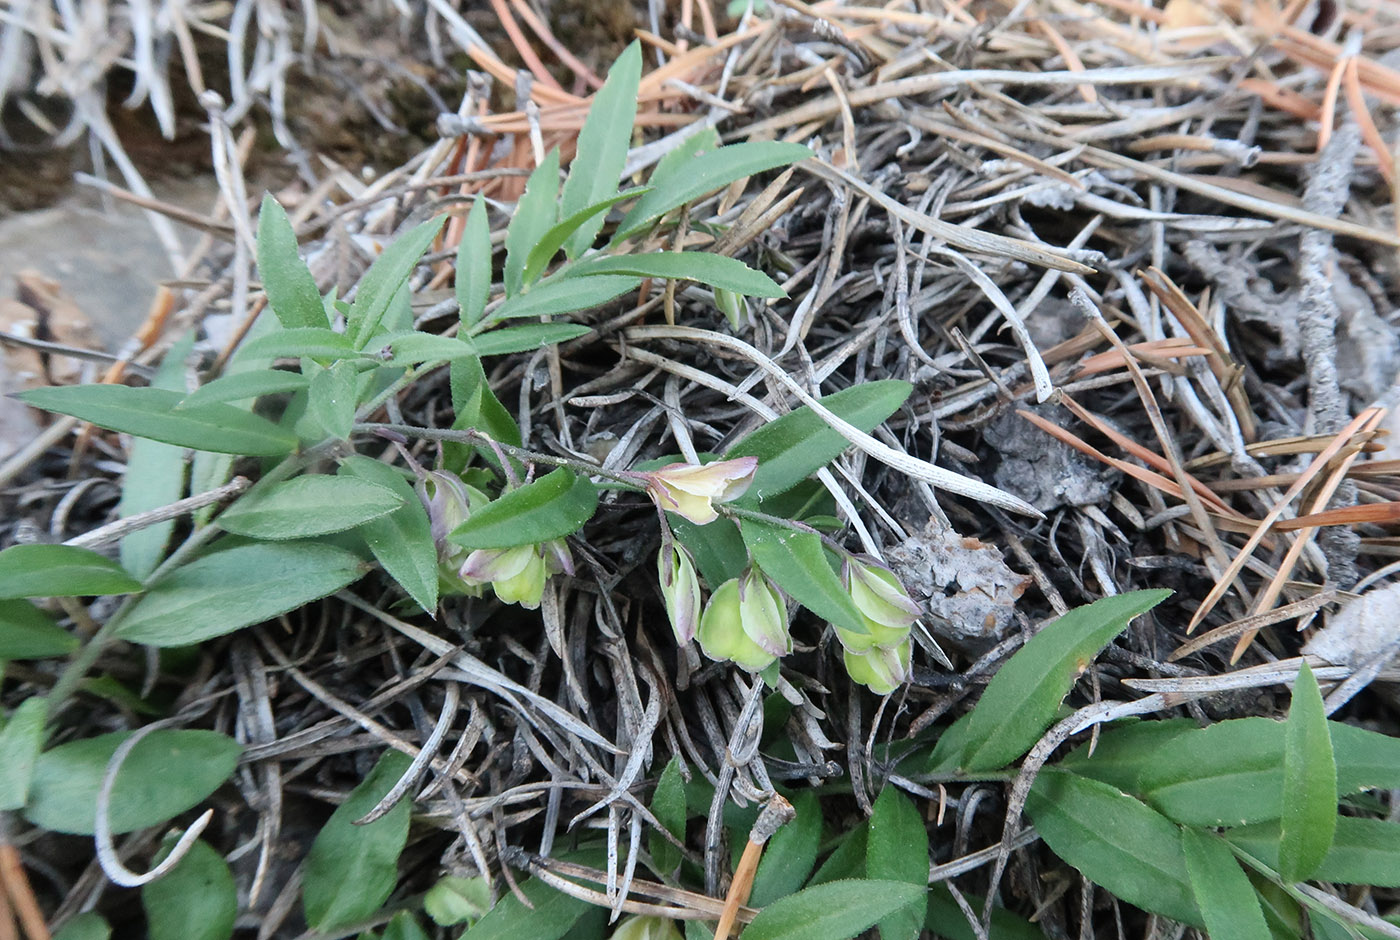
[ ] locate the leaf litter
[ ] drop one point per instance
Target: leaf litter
(1138, 263)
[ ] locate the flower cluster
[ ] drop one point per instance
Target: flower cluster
(746, 618)
(516, 575)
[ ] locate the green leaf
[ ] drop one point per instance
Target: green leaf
(675, 161)
(331, 399)
(797, 562)
(1023, 697)
(602, 147)
(1116, 841)
(245, 386)
(227, 590)
(166, 773)
(556, 505)
(476, 406)
(705, 174)
(351, 870)
(1309, 783)
(837, 910)
(195, 901)
(588, 217)
(154, 477)
(715, 270)
(308, 505)
(717, 546)
(948, 750)
(60, 571)
(668, 806)
(454, 900)
(799, 443)
(557, 295)
(897, 850)
(847, 860)
(1363, 851)
(790, 855)
(1227, 900)
(945, 919)
(473, 279)
(291, 290)
(404, 926)
(26, 632)
(553, 914)
(385, 277)
(535, 213)
(413, 346)
(154, 413)
(84, 927)
(319, 343)
(514, 339)
(20, 742)
(402, 541)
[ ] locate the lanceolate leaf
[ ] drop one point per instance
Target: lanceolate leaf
(797, 562)
(291, 290)
(473, 279)
(235, 588)
(60, 571)
(1309, 783)
(705, 174)
(551, 507)
(476, 406)
(897, 850)
(602, 147)
(513, 339)
(330, 399)
(1021, 700)
(790, 855)
(837, 910)
(799, 443)
(1363, 851)
(245, 386)
(588, 217)
(402, 541)
(668, 806)
(155, 413)
(1224, 895)
(1116, 841)
(166, 773)
(20, 741)
(154, 477)
(411, 346)
(560, 294)
(195, 901)
(351, 870)
(714, 270)
(313, 342)
(308, 505)
(26, 632)
(389, 272)
(535, 213)
(946, 920)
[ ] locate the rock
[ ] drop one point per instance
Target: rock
(1041, 470)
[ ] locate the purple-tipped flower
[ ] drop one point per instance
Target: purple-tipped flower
(517, 575)
(880, 670)
(692, 489)
(885, 607)
(448, 502)
(680, 588)
(746, 622)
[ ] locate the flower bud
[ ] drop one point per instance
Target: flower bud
(722, 635)
(517, 575)
(763, 614)
(692, 489)
(680, 588)
(647, 928)
(448, 502)
(886, 608)
(880, 670)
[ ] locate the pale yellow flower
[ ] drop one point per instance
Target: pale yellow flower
(692, 489)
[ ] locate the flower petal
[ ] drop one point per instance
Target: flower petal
(496, 564)
(763, 615)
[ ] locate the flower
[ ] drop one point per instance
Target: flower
(448, 502)
(692, 489)
(647, 928)
(745, 622)
(880, 670)
(885, 607)
(517, 574)
(680, 588)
